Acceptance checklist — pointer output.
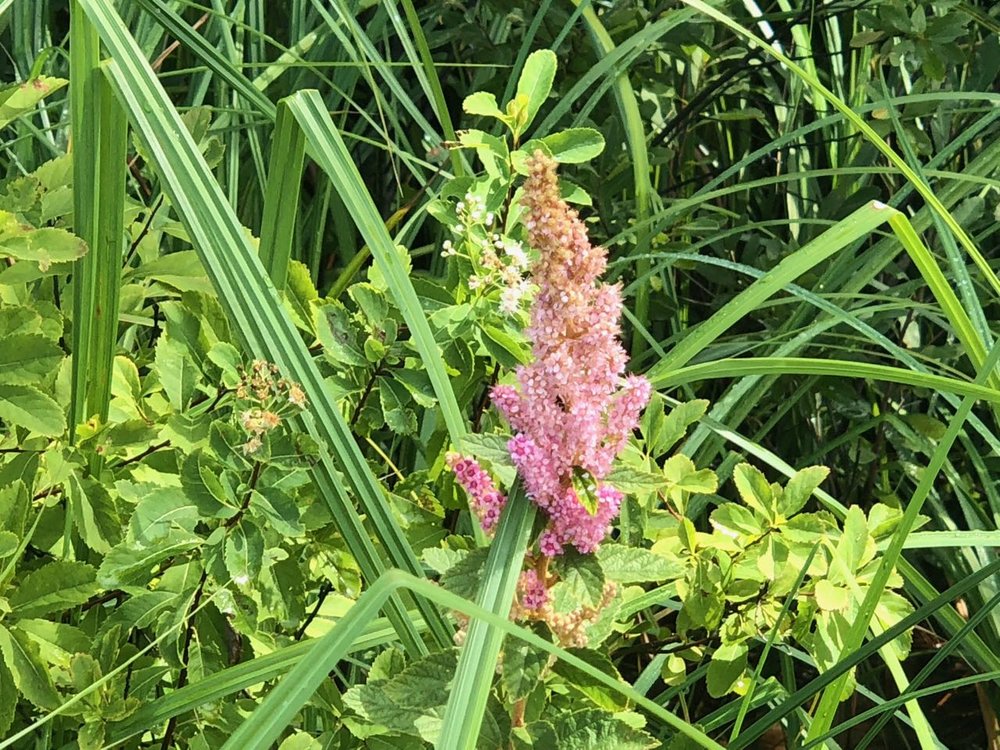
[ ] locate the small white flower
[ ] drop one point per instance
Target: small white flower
(475, 282)
(460, 206)
(510, 300)
(489, 219)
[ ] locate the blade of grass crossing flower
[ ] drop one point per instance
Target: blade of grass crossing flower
(278, 708)
(470, 690)
(281, 201)
(252, 303)
(331, 154)
(826, 711)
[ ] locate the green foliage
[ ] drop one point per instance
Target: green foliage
(161, 567)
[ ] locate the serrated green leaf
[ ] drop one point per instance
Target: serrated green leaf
(623, 564)
(831, 597)
(578, 680)
(30, 675)
(129, 564)
(581, 579)
(754, 490)
(27, 358)
(8, 698)
(94, 514)
(54, 587)
(20, 98)
(736, 522)
(26, 406)
(521, 668)
(159, 511)
(463, 578)
(9, 543)
(177, 371)
(279, 509)
(593, 729)
(799, 488)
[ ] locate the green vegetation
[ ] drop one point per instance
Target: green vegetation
(499, 375)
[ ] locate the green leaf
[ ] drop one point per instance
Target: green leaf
(534, 85)
(726, 670)
(583, 682)
(593, 729)
(586, 490)
(395, 403)
(9, 543)
(20, 98)
(624, 564)
(27, 358)
(754, 490)
(463, 578)
(664, 430)
(94, 514)
(280, 510)
(831, 597)
(244, 552)
(54, 587)
(8, 698)
(799, 488)
(491, 448)
(129, 564)
(484, 104)
(575, 145)
(159, 511)
(177, 371)
(521, 668)
(736, 522)
(44, 247)
(26, 406)
(30, 675)
(581, 581)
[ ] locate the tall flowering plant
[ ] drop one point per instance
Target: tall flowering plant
(574, 407)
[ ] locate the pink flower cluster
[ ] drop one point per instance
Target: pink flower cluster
(575, 408)
(485, 499)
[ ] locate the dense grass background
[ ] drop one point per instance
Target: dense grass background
(722, 159)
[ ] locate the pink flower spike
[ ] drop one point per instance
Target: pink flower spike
(573, 407)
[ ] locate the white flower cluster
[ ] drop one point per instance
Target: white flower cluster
(499, 262)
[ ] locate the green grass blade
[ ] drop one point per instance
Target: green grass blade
(242, 676)
(269, 719)
(463, 716)
(331, 154)
(733, 368)
(281, 201)
(257, 314)
(845, 232)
